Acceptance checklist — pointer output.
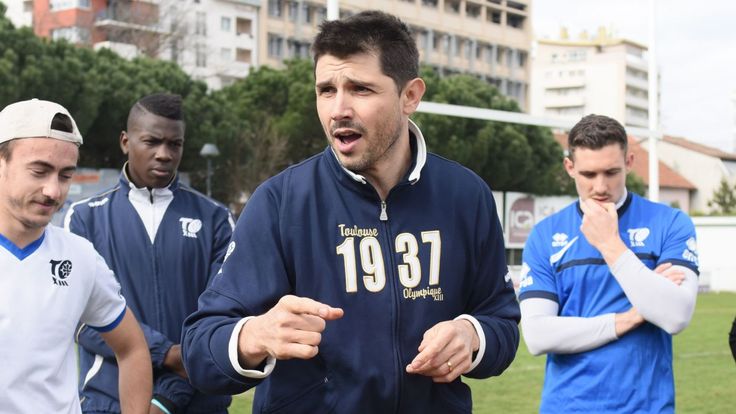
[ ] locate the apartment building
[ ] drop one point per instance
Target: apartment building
(217, 40)
(490, 39)
(19, 12)
(603, 75)
(212, 40)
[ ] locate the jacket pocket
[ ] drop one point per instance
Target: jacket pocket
(315, 398)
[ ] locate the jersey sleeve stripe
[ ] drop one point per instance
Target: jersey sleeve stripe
(112, 325)
(684, 263)
(539, 294)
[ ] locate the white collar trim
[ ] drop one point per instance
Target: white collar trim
(421, 157)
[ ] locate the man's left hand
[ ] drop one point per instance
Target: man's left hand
(446, 351)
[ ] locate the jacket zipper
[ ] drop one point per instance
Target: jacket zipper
(383, 217)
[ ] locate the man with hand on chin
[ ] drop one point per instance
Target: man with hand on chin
(605, 284)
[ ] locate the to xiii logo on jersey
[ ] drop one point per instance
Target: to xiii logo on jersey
(60, 270)
(559, 239)
(637, 236)
(190, 227)
(691, 251)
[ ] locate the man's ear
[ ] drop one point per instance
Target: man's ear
(124, 142)
(411, 95)
(629, 161)
(569, 166)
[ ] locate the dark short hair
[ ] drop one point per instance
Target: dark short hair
(371, 32)
(595, 132)
(162, 104)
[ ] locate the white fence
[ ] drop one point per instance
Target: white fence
(717, 252)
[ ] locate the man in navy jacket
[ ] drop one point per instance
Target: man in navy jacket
(164, 241)
(369, 277)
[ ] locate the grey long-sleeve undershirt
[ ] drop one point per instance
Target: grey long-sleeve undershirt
(658, 300)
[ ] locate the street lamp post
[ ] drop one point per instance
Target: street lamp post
(209, 151)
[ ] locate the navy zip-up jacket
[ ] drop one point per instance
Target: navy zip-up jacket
(161, 280)
(431, 252)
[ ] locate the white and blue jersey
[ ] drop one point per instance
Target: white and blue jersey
(634, 373)
(46, 289)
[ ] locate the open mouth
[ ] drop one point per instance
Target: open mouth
(346, 136)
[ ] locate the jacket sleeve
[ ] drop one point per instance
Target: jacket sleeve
(158, 343)
(492, 299)
(223, 232)
(251, 280)
(174, 388)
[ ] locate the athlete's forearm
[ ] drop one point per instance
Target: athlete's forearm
(546, 332)
(658, 300)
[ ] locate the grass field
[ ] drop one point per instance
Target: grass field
(705, 372)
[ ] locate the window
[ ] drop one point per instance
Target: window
(307, 12)
(225, 24)
(275, 8)
(472, 10)
(226, 54)
(515, 5)
(243, 26)
(293, 11)
(321, 15)
(515, 20)
(72, 34)
(429, 3)
(274, 46)
(200, 56)
(243, 55)
(493, 15)
(55, 5)
(200, 24)
(452, 6)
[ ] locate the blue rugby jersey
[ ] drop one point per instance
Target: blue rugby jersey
(432, 252)
(634, 373)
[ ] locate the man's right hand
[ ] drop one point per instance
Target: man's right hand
(173, 362)
(628, 321)
(291, 329)
(674, 275)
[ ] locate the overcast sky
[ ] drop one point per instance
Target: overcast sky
(696, 53)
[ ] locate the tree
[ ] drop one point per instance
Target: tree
(509, 157)
(723, 201)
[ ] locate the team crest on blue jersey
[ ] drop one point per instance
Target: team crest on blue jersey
(559, 239)
(190, 227)
(637, 236)
(60, 271)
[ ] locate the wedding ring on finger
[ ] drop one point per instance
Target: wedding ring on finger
(449, 365)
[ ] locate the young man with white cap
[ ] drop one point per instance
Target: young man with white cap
(51, 279)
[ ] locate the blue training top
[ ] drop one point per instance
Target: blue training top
(634, 373)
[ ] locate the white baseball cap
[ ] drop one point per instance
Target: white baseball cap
(32, 119)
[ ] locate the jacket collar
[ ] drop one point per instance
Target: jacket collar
(419, 157)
